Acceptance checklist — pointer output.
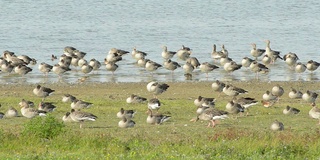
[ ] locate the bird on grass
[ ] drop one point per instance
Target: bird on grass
(290, 110)
(79, 116)
(277, 126)
(43, 92)
(126, 113)
(135, 99)
(126, 123)
(211, 115)
(156, 118)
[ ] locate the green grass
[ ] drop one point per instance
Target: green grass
(234, 138)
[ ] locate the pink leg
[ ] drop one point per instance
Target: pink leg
(213, 123)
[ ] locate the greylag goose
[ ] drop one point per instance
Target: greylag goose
(136, 54)
(79, 104)
(11, 112)
(234, 108)
(233, 91)
(300, 68)
(310, 97)
(194, 62)
(203, 101)
(45, 68)
(95, 64)
(167, 54)
(183, 53)
(126, 123)
(256, 52)
(79, 116)
(157, 88)
(211, 115)
(46, 106)
(154, 104)
(277, 90)
(188, 68)
(218, 86)
(266, 60)
(118, 51)
(111, 66)
(135, 99)
(22, 69)
(231, 66)
(246, 61)
(277, 126)
(113, 57)
(126, 113)
(290, 110)
(206, 67)
(295, 94)
(156, 118)
(68, 50)
(28, 112)
(315, 112)
(258, 68)
(312, 65)
(271, 53)
(245, 102)
(59, 70)
(67, 117)
(86, 68)
(267, 96)
(171, 65)
(215, 55)
(151, 66)
(291, 59)
(68, 98)
(43, 92)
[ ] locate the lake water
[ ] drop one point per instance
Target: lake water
(42, 28)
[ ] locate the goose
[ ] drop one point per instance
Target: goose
(86, 68)
(135, 99)
(26, 59)
(68, 98)
(271, 53)
(194, 62)
(183, 53)
(291, 59)
(256, 52)
(7, 66)
(290, 110)
(312, 65)
(24, 102)
(246, 61)
(266, 60)
(152, 66)
(167, 54)
(188, 68)
(277, 90)
(206, 67)
(277, 126)
(53, 57)
(218, 86)
(231, 66)
(157, 88)
(171, 65)
(211, 115)
(79, 104)
(126, 113)
(225, 59)
(136, 54)
(126, 123)
(95, 64)
(68, 50)
(118, 51)
(295, 94)
(43, 92)
(113, 57)
(11, 112)
(111, 66)
(224, 50)
(245, 102)
(315, 112)
(203, 101)
(300, 68)
(215, 55)
(267, 96)
(46, 106)
(156, 118)
(234, 108)
(28, 112)
(142, 62)
(2, 115)
(310, 97)
(268, 103)
(65, 61)
(154, 104)
(233, 91)
(59, 70)
(67, 117)
(79, 54)
(45, 68)
(22, 69)
(257, 68)
(75, 61)
(79, 116)
(82, 62)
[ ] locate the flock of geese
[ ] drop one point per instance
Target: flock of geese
(73, 59)
(205, 106)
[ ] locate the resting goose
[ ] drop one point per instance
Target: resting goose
(277, 126)
(126, 123)
(126, 113)
(156, 118)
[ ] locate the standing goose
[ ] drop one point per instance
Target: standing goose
(126, 113)
(194, 62)
(59, 70)
(277, 126)
(215, 55)
(183, 53)
(86, 68)
(151, 66)
(43, 92)
(188, 68)
(271, 53)
(257, 68)
(135, 99)
(45, 68)
(156, 118)
(256, 52)
(142, 62)
(291, 59)
(233, 91)
(234, 108)
(231, 66)
(22, 69)
(167, 54)
(300, 68)
(218, 86)
(224, 50)
(206, 67)
(203, 101)
(113, 57)
(312, 65)
(111, 66)
(79, 116)
(95, 64)
(266, 60)
(245, 102)
(136, 54)
(246, 61)
(171, 65)
(118, 51)
(295, 94)
(290, 110)
(225, 59)
(126, 123)
(211, 115)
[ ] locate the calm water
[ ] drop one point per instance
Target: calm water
(39, 29)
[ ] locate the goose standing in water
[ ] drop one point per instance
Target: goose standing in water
(312, 65)
(256, 52)
(171, 65)
(231, 66)
(206, 67)
(257, 68)
(188, 68)
(246, 62)
(291, 59)
(151, 66)
(271, 53)
(45, 68)
(167, 54)
(216, 55)
(79, 116)
(136, 54)
(111, 66)
(183, 53)
(118, 51)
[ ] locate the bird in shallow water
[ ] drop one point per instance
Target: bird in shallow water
(256, 52)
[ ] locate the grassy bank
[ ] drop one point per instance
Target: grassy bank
(245, 137)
